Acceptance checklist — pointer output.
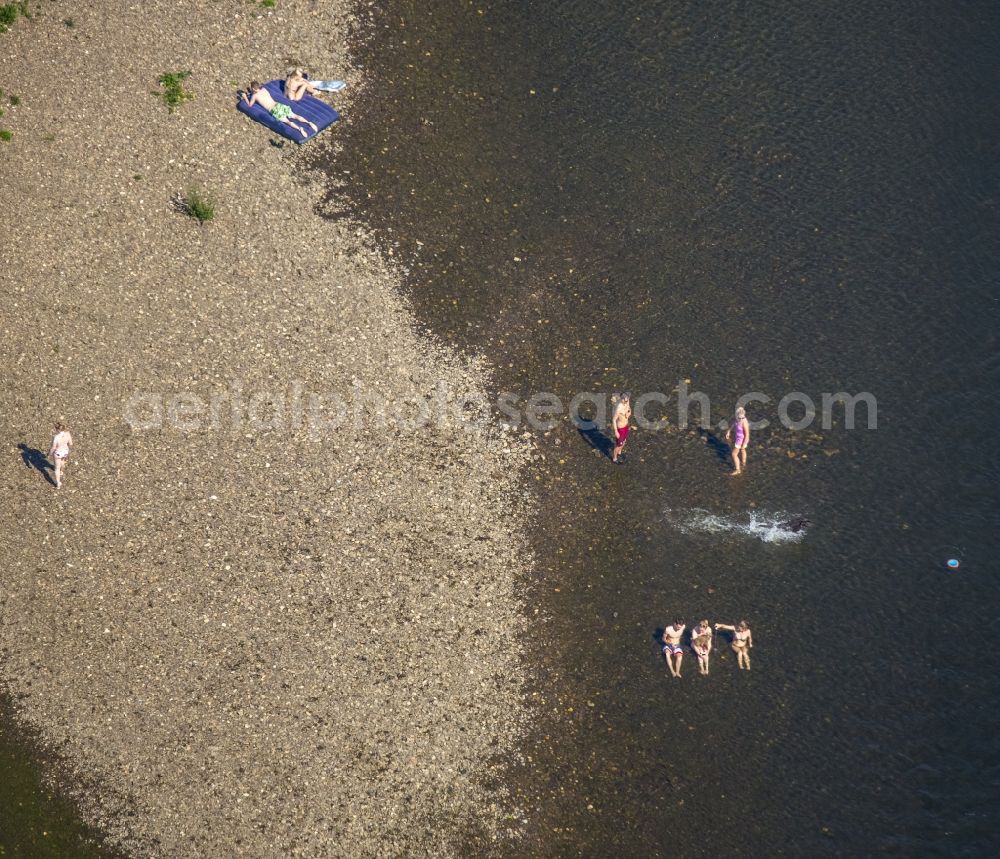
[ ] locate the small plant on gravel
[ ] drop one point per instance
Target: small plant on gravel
(195, 204)
(69, 22)
(5, 136)
(267, 4)
(8, 15)
(173, 93)
(15, 100)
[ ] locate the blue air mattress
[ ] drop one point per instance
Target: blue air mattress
(310, 107)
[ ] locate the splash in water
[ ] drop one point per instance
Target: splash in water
(766, 527)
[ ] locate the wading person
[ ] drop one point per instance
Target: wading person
(619, 426)
(673, 653)
(742, 641)
(281, 112)
(701, 644)
(62, 442)
(739, 434)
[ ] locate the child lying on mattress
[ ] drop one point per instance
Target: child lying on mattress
(281, 112)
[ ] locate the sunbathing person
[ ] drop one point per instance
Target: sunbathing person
(298, 85)
(299, 82)
(673, 653)
(281, 112)
(701, 644)
(742, 641)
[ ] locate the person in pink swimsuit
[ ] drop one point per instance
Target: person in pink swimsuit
(59, 451)
(739, 434)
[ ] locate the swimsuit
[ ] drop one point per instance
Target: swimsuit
(672, 648)
(61, 447)
(739, 438)
(740, 639)
(622, 433)
(281, 112)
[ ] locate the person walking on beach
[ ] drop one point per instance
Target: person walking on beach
(701, 644)
(742, 641)
(281, 112)
(673, 653)
(739, 433)
(62, 442)
(619, 425)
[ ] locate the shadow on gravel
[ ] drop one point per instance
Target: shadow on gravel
(657, 638)
(34, 458)
(596, 439)
(719, 446)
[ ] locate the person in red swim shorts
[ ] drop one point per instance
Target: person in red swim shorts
(619, 426)
(673, 652)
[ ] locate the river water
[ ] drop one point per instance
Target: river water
(35, 821)
(734, 197)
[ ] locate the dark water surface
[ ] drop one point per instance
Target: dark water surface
(766, 197)
(34, 821)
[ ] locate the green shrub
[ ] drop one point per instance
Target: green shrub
(267, 4)
(199, 206)
(8, 15)
(5, 135)
(173, 94)
(15, 100)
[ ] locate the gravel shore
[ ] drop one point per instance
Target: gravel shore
(236, 639)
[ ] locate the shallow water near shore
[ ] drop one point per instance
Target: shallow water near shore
(752, 198)
(34, 820)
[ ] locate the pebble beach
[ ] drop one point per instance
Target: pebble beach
(233, 634)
